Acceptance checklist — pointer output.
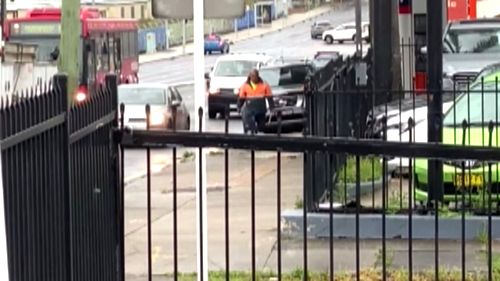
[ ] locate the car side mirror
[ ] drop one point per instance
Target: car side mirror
(423, 50)
(175, 103)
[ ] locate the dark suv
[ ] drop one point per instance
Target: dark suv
(287, 84)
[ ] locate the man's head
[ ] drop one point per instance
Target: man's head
(253, 76)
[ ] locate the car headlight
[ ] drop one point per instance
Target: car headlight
(156, 118)
(213, 91)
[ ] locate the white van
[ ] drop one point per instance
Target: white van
(227, 76)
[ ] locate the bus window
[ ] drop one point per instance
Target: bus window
(102, 54)
(125, 46)
(111, 53)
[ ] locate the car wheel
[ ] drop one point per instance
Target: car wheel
(188, 124)
(212, 114)
(329, 39)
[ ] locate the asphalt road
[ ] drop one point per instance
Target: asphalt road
(294, 41)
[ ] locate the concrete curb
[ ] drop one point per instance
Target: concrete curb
(344, 226)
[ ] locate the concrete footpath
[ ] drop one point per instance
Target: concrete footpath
(240, 224)
(246, 34)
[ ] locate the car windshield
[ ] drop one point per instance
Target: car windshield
(141, 96)
(468, 105)
(284, 76)
(473, 40)
(235, 68)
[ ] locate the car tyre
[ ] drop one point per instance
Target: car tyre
(212, 114)
(329, 39)
(188, 124)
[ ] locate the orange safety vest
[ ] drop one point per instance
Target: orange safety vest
(261, 90)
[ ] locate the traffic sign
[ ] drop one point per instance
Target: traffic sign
(182, 9)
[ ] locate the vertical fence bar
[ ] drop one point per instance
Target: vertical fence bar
(175, 212)
(61, 82)
(463, 260)
(278, 203)
(226, 194)
(148, 166)
(490, 190)
(252, 196)
(201, 275)
(358, 210)
(496, 142)
(410, 203)
(384, 204)
(122, 197)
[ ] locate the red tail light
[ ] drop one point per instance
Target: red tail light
(81, 94)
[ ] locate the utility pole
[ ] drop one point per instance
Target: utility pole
(382, 46)
(359, 44)
(184, 21)
(68, 46)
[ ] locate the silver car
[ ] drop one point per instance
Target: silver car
(167, 107)
(469, 46)
(318, 27)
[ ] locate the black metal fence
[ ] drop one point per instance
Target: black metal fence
(60, 185)
(437, 225)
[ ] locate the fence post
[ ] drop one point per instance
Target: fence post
(60, 82)
(4, 265)
(112, 87)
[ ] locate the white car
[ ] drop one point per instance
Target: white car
(346, 32)
(226, 77)
(167, 108)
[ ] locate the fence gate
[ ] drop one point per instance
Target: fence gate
(59, 186)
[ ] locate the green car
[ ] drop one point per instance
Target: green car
(474, 179)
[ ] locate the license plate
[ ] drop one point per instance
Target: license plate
(468, 181)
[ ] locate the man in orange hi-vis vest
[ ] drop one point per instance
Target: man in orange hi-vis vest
(252, 99)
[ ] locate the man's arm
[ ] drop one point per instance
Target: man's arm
(241, 96)
(269, 96)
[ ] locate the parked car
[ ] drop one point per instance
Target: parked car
(478, 107)
(214, 43)
(468, 46)
(318, 27)
(164, 101)
(322, 58)
(287, 86)
(226, 77)
(346, 32)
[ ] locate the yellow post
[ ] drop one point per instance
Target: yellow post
(69, 44)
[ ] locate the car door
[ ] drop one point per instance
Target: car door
(180, 111)
(349, 32)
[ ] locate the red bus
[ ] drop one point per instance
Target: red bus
(106, 45)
